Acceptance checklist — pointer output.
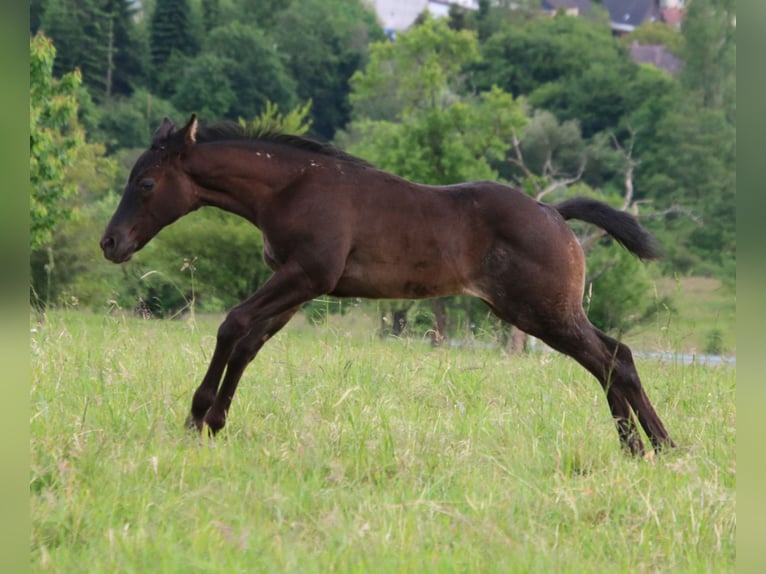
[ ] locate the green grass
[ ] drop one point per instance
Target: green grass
(344, 453)
(702, 318)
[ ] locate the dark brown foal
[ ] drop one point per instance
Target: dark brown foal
(333, 224)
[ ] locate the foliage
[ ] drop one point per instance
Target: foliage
(203, 86)
(657, 33)
(332, 46)
(172, 34)
(99, 38)
(699, 178)
(618, 290)
(710, 53)
(248, 65)
(569, 66)
(211, 257)
(297, 121)
(128, 122)
(439, 135)
(55, 138)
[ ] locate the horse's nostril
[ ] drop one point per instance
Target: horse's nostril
(107, 243)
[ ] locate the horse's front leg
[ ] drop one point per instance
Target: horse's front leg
(240, 337)
(244, 352)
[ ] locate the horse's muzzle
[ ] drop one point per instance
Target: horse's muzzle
(116, 251)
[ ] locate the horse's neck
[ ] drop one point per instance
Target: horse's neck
(240, 180)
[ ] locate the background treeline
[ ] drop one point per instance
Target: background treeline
(553, 104)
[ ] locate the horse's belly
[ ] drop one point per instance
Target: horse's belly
(395, 284)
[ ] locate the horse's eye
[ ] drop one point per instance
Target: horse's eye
(146, 185)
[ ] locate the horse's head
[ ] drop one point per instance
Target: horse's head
(157, 193)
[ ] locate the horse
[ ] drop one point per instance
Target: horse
(334, 224)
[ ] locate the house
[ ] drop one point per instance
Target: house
(397, 15)
(673, 12)
(657, 55)
(570, 7)
(626, 15)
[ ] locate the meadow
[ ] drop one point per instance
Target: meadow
(348, 453)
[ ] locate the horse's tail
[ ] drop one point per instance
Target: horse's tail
(621, 225)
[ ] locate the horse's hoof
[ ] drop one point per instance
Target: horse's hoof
(192, 424)
(214, 422)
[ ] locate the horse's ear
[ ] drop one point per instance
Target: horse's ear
(190, 131)
(162, 133)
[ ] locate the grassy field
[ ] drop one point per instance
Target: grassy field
(345, 453)
(702, 319)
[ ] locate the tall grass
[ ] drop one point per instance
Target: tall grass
(344, 453)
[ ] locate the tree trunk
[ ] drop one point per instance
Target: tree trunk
(398, 321)
(393, 320)
(439, 332)
(518, 342)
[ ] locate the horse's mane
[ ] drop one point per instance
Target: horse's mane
(232, 131)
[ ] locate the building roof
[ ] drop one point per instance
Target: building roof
(655, 54)
(396, 15)
(625, 15)
(575, 7)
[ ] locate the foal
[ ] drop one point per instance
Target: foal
(333, 224)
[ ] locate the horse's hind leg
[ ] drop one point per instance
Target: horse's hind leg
(611, 362)
(636, 396)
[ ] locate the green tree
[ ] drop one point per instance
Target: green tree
(440, 133)
(570, 66)
(657, 33)
(171, 34)
(79, 30)
(71, 267)
(248, 64)
(126, 53)
(55, 138)
(211, 14)
(36, 9)
(689, 170)
(128, 122)
(203, 86)
(331, 46)
(99, 38)
(710, 53)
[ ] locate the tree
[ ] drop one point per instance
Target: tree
(171, 33)
(203, 86)
(710, 53)
(55, 138)
(126, 52)
(79, 30)
(332, 46)
(128, 122)
(689, 170)
(248, 64)
(97, 36)
(569, 66)
(657, 33)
